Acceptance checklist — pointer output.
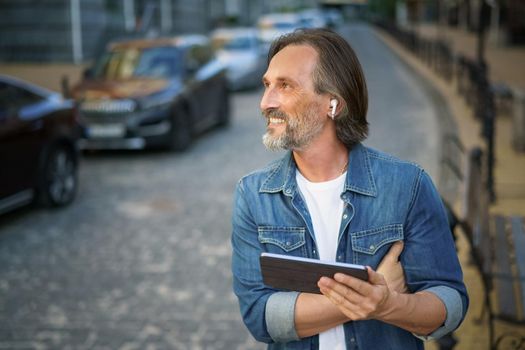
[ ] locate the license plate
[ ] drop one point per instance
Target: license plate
(106, 130)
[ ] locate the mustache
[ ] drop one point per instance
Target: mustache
(274, 113)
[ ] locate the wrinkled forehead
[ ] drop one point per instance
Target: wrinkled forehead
(295, 62)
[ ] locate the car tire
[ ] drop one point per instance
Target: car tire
(59, 180)
(180, 135)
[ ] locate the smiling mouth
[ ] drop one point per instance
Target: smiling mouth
(275, 121)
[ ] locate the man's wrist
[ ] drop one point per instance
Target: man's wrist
(394, 302)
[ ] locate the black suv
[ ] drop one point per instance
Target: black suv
(152, 93)
(38, 146)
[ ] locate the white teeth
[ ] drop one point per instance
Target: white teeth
(276, 121)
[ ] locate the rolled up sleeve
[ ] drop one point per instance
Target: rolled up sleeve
(429, 259)
(280, 316)
(454, 306)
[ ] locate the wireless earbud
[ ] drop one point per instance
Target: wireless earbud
(333, 105)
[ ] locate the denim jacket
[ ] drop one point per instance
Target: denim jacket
(386, 200)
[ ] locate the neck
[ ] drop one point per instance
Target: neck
(322, 161)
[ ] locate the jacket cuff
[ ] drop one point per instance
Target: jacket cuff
(280, 316)
(454, 306)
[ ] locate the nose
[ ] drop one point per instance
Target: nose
(269, 99)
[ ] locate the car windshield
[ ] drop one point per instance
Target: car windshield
(233, 43)
(156, 62)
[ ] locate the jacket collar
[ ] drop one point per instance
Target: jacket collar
(359, 176)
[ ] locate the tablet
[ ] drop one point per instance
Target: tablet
(302, 274)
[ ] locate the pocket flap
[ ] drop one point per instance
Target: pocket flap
(369, 241)
(286, 238)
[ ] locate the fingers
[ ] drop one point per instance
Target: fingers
(374, 277)
(340, 285)
(395, 251)
(351, 288)
(357, 299)
(339, 293)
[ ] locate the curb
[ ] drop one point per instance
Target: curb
(451, 148)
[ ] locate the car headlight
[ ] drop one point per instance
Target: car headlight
(108, 106)
(156, 101)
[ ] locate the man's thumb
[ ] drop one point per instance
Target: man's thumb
(374, 277)
(395, 251)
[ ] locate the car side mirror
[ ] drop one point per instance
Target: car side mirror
(66, 90)
(88, 73)
(191, 70)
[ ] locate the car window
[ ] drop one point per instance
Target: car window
(234, 43)
(13, 98)
(197, 56)
(155, 62)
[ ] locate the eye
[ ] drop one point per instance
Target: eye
(284, 85)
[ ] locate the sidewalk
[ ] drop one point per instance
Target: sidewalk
(505, 65)
(48, 75)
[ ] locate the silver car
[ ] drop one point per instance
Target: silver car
(273, 25)
(242, 53)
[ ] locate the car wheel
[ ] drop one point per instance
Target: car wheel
(223, 118)
(180, 135)
(59, 182)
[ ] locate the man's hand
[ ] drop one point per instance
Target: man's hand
(364, 300)
(382, 297)
(357, 299)
(391, 269)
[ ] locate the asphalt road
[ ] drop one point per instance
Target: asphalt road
(141, 260)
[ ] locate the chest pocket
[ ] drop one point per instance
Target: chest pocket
(283, 240)
(370, 246)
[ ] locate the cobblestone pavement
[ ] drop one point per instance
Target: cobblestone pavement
(141, 260)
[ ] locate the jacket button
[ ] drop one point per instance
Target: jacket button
(345, 216)
(372, 247)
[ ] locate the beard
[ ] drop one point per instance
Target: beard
(299, 131)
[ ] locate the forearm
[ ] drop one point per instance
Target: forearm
(420, 313)
(314, 314)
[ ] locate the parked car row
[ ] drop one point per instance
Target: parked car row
(273, 25)
(244, 50)
(162, 92)
(140, 93)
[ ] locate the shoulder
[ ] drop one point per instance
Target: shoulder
(256, 178)
(386, 159)
(392, 174)
(384, 162)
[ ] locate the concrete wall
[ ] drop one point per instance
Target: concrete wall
(33, 30)
(44, 30)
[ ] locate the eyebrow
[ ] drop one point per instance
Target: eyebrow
(280, 79)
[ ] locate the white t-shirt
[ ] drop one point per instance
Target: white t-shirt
(326, 208)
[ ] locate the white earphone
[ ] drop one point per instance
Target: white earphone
(333, 105)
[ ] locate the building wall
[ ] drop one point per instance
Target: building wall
(32, 30)
(36, 30)
(42, 30)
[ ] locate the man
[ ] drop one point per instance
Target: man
(332, 198)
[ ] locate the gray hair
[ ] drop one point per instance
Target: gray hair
(338, 73)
